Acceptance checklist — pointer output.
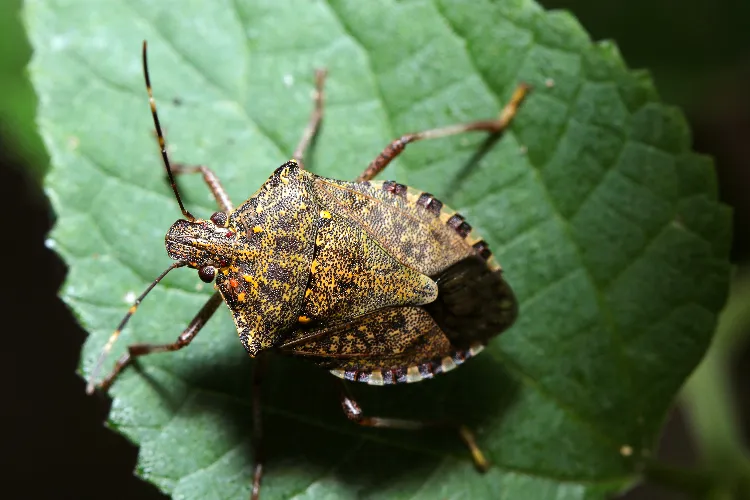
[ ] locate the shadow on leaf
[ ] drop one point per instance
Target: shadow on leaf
(307, 436)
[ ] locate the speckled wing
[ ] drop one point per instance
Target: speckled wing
(351, 274)
(385, 339)
(412, 226)
(390, 346)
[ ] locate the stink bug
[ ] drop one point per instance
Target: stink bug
(372, 280)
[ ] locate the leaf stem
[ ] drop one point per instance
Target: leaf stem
(709, 405)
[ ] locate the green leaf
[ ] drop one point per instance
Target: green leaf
(17, 100)
(606, 224)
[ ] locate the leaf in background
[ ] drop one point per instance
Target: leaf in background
(606, 224)
(703, 53)
(17, 100)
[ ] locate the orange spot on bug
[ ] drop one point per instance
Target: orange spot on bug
(304, 319)
(241, 296)
(233, 283)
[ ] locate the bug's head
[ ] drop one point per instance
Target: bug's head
(205, 245)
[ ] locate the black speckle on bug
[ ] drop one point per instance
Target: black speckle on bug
(482, 249)
(462, 227)
(289, 244)
(278, 273)
(395, 188)
(269, 293)
(429, 202)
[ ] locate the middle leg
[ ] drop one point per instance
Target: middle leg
(261, 362)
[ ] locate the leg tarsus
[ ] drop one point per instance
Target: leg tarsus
(257, 476)
(353, 412)
(480, 462)
(495, 126)
(313, 124)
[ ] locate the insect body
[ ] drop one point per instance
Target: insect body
(372, 280)
(348, 274)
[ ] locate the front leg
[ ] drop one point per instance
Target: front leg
(187, 336)
(313, 125)
(211, 180)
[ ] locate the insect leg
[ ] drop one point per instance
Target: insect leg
(492, 126)
(315, 118)
(354, 413)
(261, 361)
(212, 181)
(136, 350)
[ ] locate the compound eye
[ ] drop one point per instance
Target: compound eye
(219, 218)
(207, 273)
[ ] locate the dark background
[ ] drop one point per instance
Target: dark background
(54, 442)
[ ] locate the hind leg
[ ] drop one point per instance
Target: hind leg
(492, 126)
(354, 413)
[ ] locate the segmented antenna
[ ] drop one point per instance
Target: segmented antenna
(113, 338)
(160, 136)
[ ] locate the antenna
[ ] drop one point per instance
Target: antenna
(113, 338)
(160, 136)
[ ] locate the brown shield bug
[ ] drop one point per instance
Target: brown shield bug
(372, 280)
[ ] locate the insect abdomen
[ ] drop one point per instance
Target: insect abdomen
(412, 373)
